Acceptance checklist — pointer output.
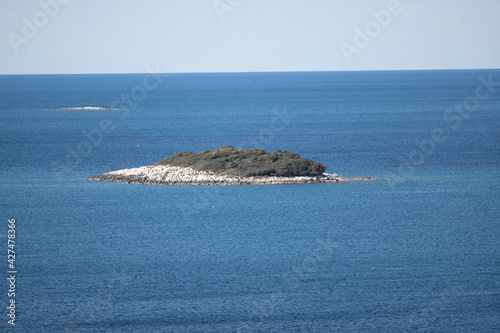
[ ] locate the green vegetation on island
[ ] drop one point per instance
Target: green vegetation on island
(246, 162)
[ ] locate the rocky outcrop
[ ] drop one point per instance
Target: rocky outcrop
(92, 108)
(172, 175)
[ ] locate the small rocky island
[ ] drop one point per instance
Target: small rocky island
(86, 108)
(227, 166)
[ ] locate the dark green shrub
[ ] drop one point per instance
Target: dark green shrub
(246, 162)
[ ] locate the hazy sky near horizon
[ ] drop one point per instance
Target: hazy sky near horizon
(127, 36)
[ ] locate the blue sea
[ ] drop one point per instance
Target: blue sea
(416, 250)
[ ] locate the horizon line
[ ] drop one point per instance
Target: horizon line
(278, 71)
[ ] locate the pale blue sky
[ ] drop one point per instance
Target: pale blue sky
(127, 36)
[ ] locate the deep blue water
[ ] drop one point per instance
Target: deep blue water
(415, 251)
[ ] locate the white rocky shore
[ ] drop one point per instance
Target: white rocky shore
(88, 108)
(172, 175)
